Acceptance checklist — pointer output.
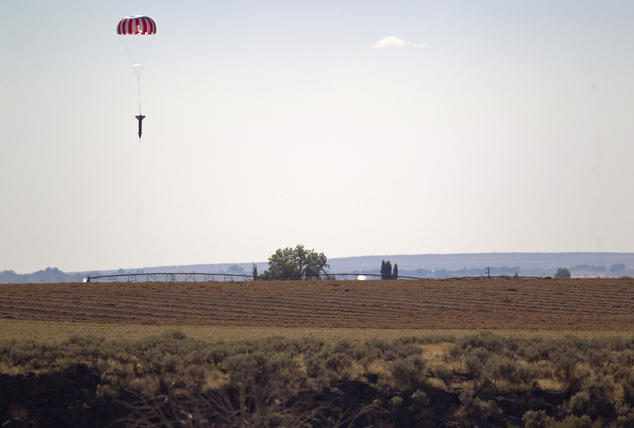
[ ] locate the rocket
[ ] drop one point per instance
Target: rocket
(140, 119)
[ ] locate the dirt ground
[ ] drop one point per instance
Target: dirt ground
(512, 304)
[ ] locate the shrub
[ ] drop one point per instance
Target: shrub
(408, 373)
(486, 340)
(477, 411)
(309, 345)
(562, 273)
(503, 368)
(402, 350)
(314, 366)
(442, 372)
(396, 402)
(473, 366)
(628, 387)
(594, 399)
(174, 334)
(338, 362)
(627, 357)
(564, 363)
(379, 345)
(342, 346)
(419, 399)
(625, 413)
(598, 357)
(536, 419)
(271, 381)
(574, 422)
(365, 353)
(275, 344)
(169, 364)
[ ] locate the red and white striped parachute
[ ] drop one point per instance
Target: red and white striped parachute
(136, 25)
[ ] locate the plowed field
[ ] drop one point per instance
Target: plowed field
(584, 304)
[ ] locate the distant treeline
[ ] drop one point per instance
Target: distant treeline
(53, 274)
(478, 271)
(50, 274)
(617, 270)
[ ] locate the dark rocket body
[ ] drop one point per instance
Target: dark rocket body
(140, 119)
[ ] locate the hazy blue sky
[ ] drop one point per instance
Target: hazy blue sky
(498, 126)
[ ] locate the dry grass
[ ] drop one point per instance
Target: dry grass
(55, 331)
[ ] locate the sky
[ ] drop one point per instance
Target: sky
(352, 127)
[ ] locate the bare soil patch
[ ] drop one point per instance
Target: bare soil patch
(510, 304)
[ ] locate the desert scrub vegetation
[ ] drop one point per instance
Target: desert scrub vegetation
(173, 380)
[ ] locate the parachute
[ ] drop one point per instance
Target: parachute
(136, 25)
(135, 30)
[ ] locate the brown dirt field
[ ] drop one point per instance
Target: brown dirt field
(511, 304)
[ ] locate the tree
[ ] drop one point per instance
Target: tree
(395, 271)
(562, 273)
(296, 263)
(386, 269)
(619, 267)
(235, 269)
(255, 271)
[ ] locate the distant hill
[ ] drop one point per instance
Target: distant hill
(41, 276)
(420, 265)
(526, 263)
(448, 265)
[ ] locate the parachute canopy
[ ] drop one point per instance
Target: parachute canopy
(136, 25)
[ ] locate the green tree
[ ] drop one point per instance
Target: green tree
(562, 273)
(296, 263)
(255, 271)
(395, 271)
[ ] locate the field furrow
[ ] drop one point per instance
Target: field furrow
(590, 304)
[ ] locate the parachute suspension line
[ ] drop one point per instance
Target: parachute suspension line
(139, 84)
(140, 117)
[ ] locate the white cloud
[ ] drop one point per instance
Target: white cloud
(395, 42)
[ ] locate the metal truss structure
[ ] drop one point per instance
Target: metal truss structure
(210, 277)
